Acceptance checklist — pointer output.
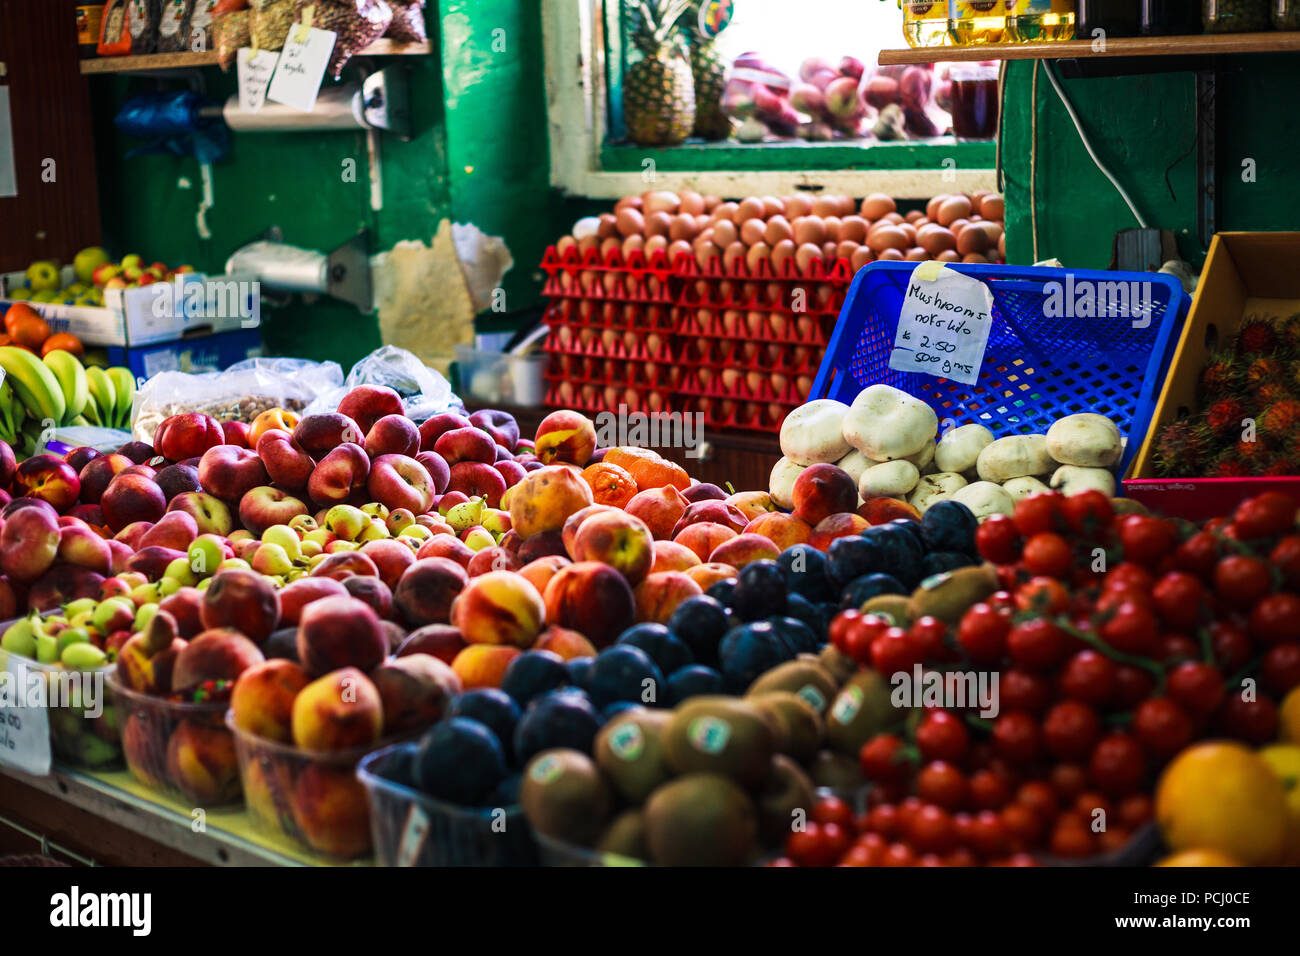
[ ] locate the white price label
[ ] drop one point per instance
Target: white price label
(302, 67)
(255, 68)
(943, 326)
(413, 836)
(24, 721)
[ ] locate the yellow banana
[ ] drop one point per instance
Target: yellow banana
(72, 381)
(91, 411)
(104, 394)
(124, 388)
(33, 383)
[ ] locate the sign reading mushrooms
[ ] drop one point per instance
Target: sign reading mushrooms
(943, 326)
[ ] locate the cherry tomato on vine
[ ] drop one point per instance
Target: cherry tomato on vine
(1070, 729)
(1132, 629)
(1279, 668)
(1146, 539)
(1252, 721)
(1275, 618)
(1162, 726)
(1089, 676)
(1264, 516)
(942, 736)
(1088, 513)
(1016, 737)
(833, 810)
(1117, 766)
(1025, 691)
(1042, 594)
(1231, 646)
(1048, 554)
(1036, 645)
(1196, 686)
(1180, 599)
(943, 784)
(1241, 581)
(1132, 684)
(1039, 513)
(927, 636)
(881, 761)
(982, 633)
(998, 540)
(1198, 554)
(1285, 556)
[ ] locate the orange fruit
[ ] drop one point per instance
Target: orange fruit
(65, 341)
(655, 473)
(19, 310)
(1198, 858)
(610, 484)
(29, 331)
(626, 455)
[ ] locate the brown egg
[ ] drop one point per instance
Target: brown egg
(658, 223)
(712, 202)
(993, 230)
(607, 225)
(691, 202)
(774, 292)
(633, 244)
(655, 244)
(778, 322)
(860, 258)
(978, 195)
(973, 257)
(782, 253)
(705, 253)
(774, 351)
(832, 226)
(682, 227)
(724, 210)
(703, 221)
(887, 237)
(778, 230)
(809, 229)
(705, 238)
(890, 255)
(973, 240)
(877, 205)
(773, 206)
(629, 221)
(590, 242)
(755, 321)
(948, 255)
(932, 207)
(758, 253)
(893, 218)
(829, 249)
(853, 229)
(848, 206)
(934, 238)
(725, 232)
(846, 249)
(661, 200)
(825, 206)
(612, 244)
(748, 290)
(751, 208)
(916, 254)
(779, 382)
(733, 321)
(957, 225)
(1002, 246)
(913, 215)
(910, 231)
(678, 247)
(752, 231)
(612, 283)
(952, 209)
(796, 206)
(628, 202)
(564, 244)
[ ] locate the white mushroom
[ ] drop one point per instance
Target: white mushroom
(890, 480)
(1071, 479)
(1026, 487)
(781, 483)
(885, 423)
(1014, 457)
(936, 487)
(1086, 440)
(984, 498)
(924, 459)
(960, 448)
(855, 463)
(813, 432)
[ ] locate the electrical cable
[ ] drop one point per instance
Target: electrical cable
(1083, 138)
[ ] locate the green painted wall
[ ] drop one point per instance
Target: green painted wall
(1143, 127)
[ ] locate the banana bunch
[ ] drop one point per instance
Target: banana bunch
(112, 392)
(39, 394)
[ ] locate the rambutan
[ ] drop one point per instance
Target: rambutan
(1273, 393)
(1279, 420)
(1255, 455)
(1257, 337)
(1225, 466)
(1281, 468)
(1261, 371)
(1225, 416)
(1221, 376)
(1181, 446)
(1290, 333)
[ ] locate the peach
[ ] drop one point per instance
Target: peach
(565, 437)
(592, 598)
(397, 481)
(438, 640)
(545, 544)
(393, 435)
(885, 510)
(546, 498)
(187, 436)
(63, 583)
(569, 532)
(267, 786)
(262, 700)
(345, 469)
(618, 539)
(202, 764)
(744, 549)
(178, 479)
(318, 434)
(499, 607)
(671, 556)
(540, 571)
(446, 546)
(93, 515)
(227, 472)
(49, 478)
(264, 506)
(415, 691)
(367, 404)
(143, 669)
(836, 526)
(96, 474)
(338, 711)
(235, 433)
(372, 592)
(186, 607)
(343, 564)
(438, 469)
(296, 595)
(483, 665)
(391, 558)
(822, 490)
(500, 425)
(211, 515)
(29, 543)
(273, 419)
(153, 561)
(216, 654)
(339, 631)
(427, 589)
(431, 429)
(780, 528)
(659, 594)
(753, 503)
(130, 498)
(713, 511)
(708, 574)
(659, 508)
(466, 444)
(492, 558)
(289, 466)
(138, 451)
(80, 546)
(566, 643)
(244, 600)
(176, 530)
(511, 471)
(331, 811)
(703, 538)
(476, 479)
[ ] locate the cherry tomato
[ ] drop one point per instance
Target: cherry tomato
(932, 830)
(1048, 554)
(1264, 516)
(1132, 684)
(838, 839)
(1135, 810)
(1036, 645)
(941, 736)
(1068, 780)
(1070, 729)
(893, 652)
(1241, 580)
(1039, 513)
(840, 626)
(988, 836)
(989, 790)
(1196, 686)
(960, 857)
(1231, 646)
(1088, 513)
(1146, 539)
(943, 784)
(1003, 602)
(874, 842)
(1286, 558)
(1172, 648)
(1089, 676)
(1039, 797)
(1128, 576)
(982, 634)
(810, 846)
(859, 856)
(898, 854)
(1025, 691)
(880, 760)
(927, 636)
(857, 644)
(1251, 721)
(1016, 737)
(1131, 629)
(930, 860)
(832, 809)
(883, 820)
(1162, 726)
(1198, 554)
(1280, 667)
(1073, 841)
(1117, 766)
(1044, 595)
(1022, 824)
(998, 540)
(1276, 618)
(1179, 598)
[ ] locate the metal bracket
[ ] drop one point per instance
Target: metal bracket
(349, 272)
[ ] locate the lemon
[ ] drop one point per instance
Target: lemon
(1284, 760)
(1221, 796)
(1198, 858)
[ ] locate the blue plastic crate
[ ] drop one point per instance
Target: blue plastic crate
(1036, 368)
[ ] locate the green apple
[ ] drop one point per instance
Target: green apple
(203, 585)
(46, 296)
(286, 538)
(398, 519)
(43, 276)
(72, 635)
(132, 261)
(145, 613)
(145, 594)
(375, 509)
(168, 586)
(20, 294)
(85, 262)
(179, 570)
(204, 555)
(116, 613)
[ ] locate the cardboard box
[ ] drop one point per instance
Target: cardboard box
(189, 304)
(199, 353)
(1246, 273)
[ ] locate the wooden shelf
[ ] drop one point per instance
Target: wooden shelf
(185, 61)
(1202, 45)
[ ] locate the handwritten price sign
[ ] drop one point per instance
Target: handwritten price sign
(943, 326)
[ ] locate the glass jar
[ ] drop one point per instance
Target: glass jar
(1286, 14)
(1115, 18)
(925, 23)
(1236, 16)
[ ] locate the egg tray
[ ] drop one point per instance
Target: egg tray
(650, 317)
(840, 273)
(634, 279)
(598, 404)
(761, 421)
(580, 370)
(712, 327)
(741, 390)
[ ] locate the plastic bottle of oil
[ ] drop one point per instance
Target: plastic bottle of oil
(1040, 20)
(925, 23)
(972, 22)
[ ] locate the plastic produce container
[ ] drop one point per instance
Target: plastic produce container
(311, 797)
(501, 377)
(1037, 368)
(182, 750)
(414, 829)
(1236, 16)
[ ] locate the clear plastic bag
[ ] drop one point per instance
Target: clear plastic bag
(239, 393)
(356, 23)
(232, 30)
(408, 22)
(425, 392)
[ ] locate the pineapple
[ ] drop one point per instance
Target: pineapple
(710, 75)
(658, 90)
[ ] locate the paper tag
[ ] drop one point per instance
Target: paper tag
(255, 68)
(24, 721)
(412, 841)
(943, 326)
(302, 68)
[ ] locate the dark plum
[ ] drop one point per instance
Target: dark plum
(667, 651)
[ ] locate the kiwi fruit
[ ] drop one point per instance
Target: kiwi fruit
(564, 796)
(838, 772)
(630, 751)
(948, 596)
(861, 710)
(897, 606)
(721, 735)
(838, 664)
(806, 678)
(701, 819)
(625, 836)
(787, 790)
(801, 729)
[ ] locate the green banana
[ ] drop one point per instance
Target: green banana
(72, 381)
(104, 394)
(11, 414)
(33, 383)
(81, 421)
(91, 412)
(124, 388)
